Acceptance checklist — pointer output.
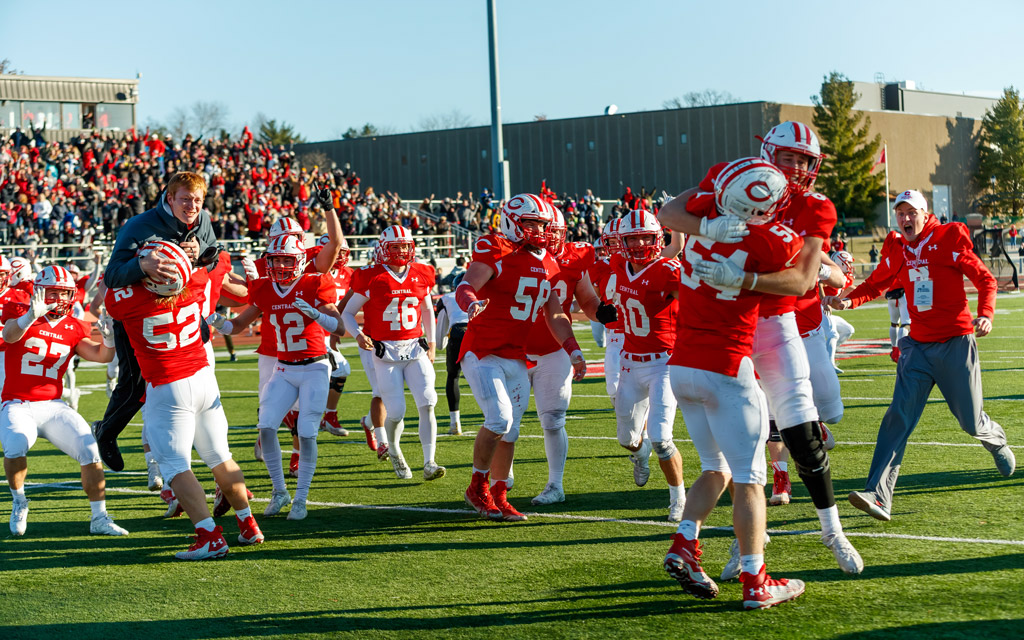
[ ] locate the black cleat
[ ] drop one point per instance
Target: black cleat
(109, 451)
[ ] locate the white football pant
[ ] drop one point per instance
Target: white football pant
(21, 424)
(502, 389)
(824, 380)
(367, 357)
(781, 363)
(304, 384)
(645, 393)
(612, 350)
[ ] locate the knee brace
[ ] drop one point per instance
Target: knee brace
(664, 450)
(807, 449)
(338, 384)
(773, 432)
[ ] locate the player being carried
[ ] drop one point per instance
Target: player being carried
(398, 312)
(163, 322)
(503, 291)
(40, 335)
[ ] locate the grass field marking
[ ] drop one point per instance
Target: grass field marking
(654, 523)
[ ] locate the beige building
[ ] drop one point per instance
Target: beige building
(66, 106)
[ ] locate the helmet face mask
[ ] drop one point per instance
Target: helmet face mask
(556, 234)
(636, 225)
(600, 250)
(751, 189)
(344, 253)
(396, 246)
(5, 273)
(58, 288)
(286, 259)
(525, 219)
(795, 138)
(610, 237)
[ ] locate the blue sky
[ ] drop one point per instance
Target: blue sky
(326, 66)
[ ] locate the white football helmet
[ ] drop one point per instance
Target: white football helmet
(845, 261)
(286, 258)
(556, 233)
(798, 138)
(76, 273)
(637, 224)
(343, 254)
(610, 236)
(58, 287)
(526, 206)
(285, 226)
(396, 246)
(165, 287)
(5, 273)
(748, 187)
(21, 271)
(600, 250)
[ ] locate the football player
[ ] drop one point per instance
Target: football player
(779, 356)
(8, 295)
(503, 291)
(39, 335)
(302, 371)
(451, 327)
(163, 320)
(838, 329)
(712, 377)
(604, 283)
(399, 313)
(548, 365)
(647, 292)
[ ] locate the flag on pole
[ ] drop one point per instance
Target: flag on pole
(881, 159)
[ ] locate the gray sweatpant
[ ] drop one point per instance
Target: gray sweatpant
(954, 366)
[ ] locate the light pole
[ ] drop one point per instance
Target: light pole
(499, 166)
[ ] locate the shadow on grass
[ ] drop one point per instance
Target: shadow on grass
(965, 630)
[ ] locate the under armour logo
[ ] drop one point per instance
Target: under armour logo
(279, 368)
(757, 592)
(645, 282)
(933, 247)
(626, 369)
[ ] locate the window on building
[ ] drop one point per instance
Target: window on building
(661, 141)
(483, 153)
(590, 145)
(682, 138)
(37, 114)
(71, 115)
(114, 116)
(568, 146)
(10, 113)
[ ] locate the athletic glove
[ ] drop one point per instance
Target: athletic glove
(606, 313)
(37, 308)
(720, 273)
(727, 229)
(329, 323)
(106, 327)
(324, 197)
(220, 323)
(250, 269)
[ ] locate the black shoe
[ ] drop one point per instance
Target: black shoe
(109, 452)
(234, 358)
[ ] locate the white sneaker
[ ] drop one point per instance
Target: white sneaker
(19, 517)
(156, 481)
(847, 557)
(829, 440)
(433, 471)
(402, 470)
(278, 501)
(510, 480)
(455, 430)
(550, 495)
(641, 464)
(104, 526)
(731, 571)
(111, 385)
(675, 510)
(298, 511)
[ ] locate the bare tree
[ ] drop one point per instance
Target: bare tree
(207, 118)
(705, 98)
(7, 68)
(178, 123)
(540, 117)
(454, 119)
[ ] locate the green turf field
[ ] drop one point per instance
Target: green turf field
(381, 557)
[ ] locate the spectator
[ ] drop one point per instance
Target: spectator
(873, 254)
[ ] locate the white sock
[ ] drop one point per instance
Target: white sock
(481, 471)
(99, 508)
(242, 514)
(295, 451)
(428, 432)
(752, 564)
(829, 519)
(894, 334)
(689, 529)
(394, 429)
(676, 494)
(456, 420)
(381, 434)
(18, 494)
(149, 458)
(556, 449)
(904, 331)
(207, 524)
(781, 466)
(272, 458)
(307, 466)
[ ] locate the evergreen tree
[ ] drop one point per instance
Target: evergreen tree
(278, 134)
(368, 131)
(1001, 154)
(845, 175)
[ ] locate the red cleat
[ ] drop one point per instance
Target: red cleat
(763, 591)
(293, 465)
(894, 355)
(371, 440)
(249, 532)
(221, 504)
(382, 453)
(208, 545)
(782, 490)
(174, 508)
(478, 496)
(682, 562)
(499, 493)
(291, 420)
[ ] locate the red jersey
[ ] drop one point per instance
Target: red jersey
(604, 284)
(716, 326)
(931, 269)
(646, 304)
(35, 365)
(808, 213)
(394, 309)
(12, 297)
(517, 292)
(166, 337)
(832, 291)
(296, 336)
(575, 260)
(268, 339)
(215, 282)
(80, 289)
